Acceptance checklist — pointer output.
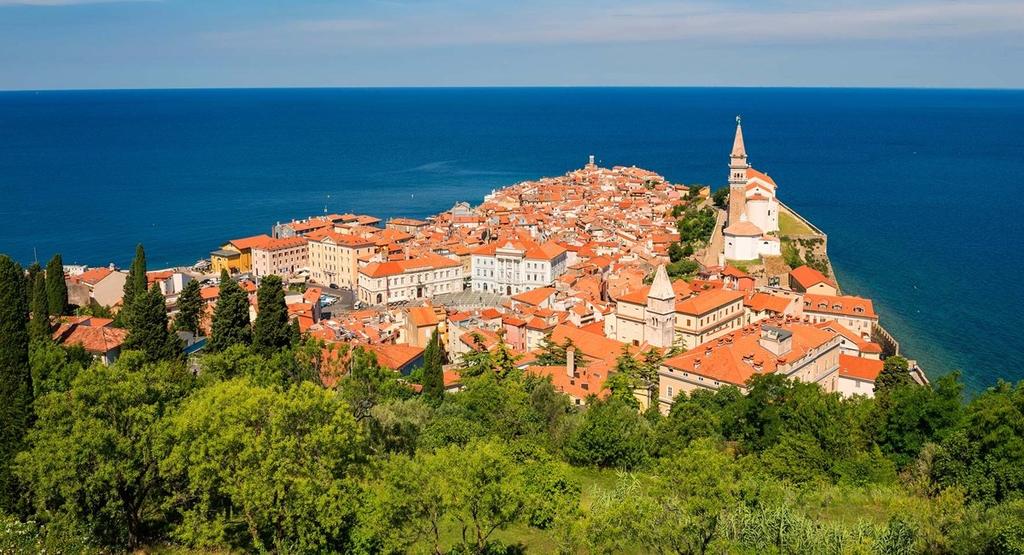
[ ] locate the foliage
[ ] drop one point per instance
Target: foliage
(134, 286)
(685, 268)
(721, 197)
(39, 326)
(433, 371)
(610, 434)
(895, 373)
(92, 454)
(56, 287)
(230, 324)
(148, 331)
(258, 468)
(15, 375)
(190, 308)
(271, 331)
(696, 225)
(54, 367)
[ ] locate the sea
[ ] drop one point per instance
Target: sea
(920, 191)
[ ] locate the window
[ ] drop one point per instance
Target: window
(670, 391)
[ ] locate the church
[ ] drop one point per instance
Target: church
(753, 221)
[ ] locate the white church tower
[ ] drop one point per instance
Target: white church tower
(661, 311)
(738, 167)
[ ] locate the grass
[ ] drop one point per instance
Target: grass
(790, 225)
(743, 265)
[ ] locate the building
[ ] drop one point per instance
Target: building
(104, 286)
(280, 257)
(855, 313)
(95, 335)
(857, 375)
(334, 257)
(409, 280)
(753, 221)
(235, 256)
(509, 267)
(797, 351)
(641, 317)
(808, 280)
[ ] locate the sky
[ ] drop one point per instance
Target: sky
(85, 44)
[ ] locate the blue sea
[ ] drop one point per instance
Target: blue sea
(919, 190)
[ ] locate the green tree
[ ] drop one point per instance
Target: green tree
(675, 252)
(271, 331)
(39, 326)
(230, 324)
(611, 433)
(367, 384)
(907, 418)
(260, 469)
(91, 456)
(56, 287)
(721, 197)
(54, 367)
(33, 270)
(476, 361)
(134, 286)
(551, 353)
(148, 331)
(190, 308)
(15, 374)
(433, 372)
(895, 373)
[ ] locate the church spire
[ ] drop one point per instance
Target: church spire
(661, 287)
(738, 150)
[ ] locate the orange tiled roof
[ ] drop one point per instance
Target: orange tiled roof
(846, 305)
(859, 368)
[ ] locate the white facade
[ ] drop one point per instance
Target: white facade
(753, 209)
(516, 267)
(334, 257)
(409, 280)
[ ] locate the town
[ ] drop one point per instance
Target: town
(716, 286)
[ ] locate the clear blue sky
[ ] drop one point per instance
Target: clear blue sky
(47, 44)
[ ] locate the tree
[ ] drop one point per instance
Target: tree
(261, 469)
(611, 433)
(56, 287)
(675, 252)
(91, 457)
(895, 373)
(54, 367)
(15, 374)
(148, 332)
(477, 361)
(33, 270)
(551, 353)
(433, 372)
(721, 197)
(190, 308)
(134, 286)
(39, 326)
(271, 331)
(230, 317)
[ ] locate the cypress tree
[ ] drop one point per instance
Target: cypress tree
(231, 316)
(271, 331)
(134, 286)
(433, 372)
(30, 281)
(15, 376)
(190, 307)
(56, 287)
(148, 330)
(39, 326)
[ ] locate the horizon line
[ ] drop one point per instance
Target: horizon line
(506, 87)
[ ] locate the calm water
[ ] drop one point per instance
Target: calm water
(919, 191)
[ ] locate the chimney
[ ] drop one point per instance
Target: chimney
(570, 361)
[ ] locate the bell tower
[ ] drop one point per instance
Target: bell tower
(660, 317)
(737, 175)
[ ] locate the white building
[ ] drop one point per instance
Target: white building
(409, 280)
(334, 257)
(510, 267)
(753, 222)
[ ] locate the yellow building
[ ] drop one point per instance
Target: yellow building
(235, 256)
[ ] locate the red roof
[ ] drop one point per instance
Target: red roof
(859, 368)
(808, 277)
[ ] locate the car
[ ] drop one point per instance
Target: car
(333, 286)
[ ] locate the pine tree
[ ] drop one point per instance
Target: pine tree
(15, 376)
(148, 330)
(551, 353)
(271, 332)
(231, 316)
(190, 308)
(56, 287)
(39, 326)
(433, 372)
(134, 286)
